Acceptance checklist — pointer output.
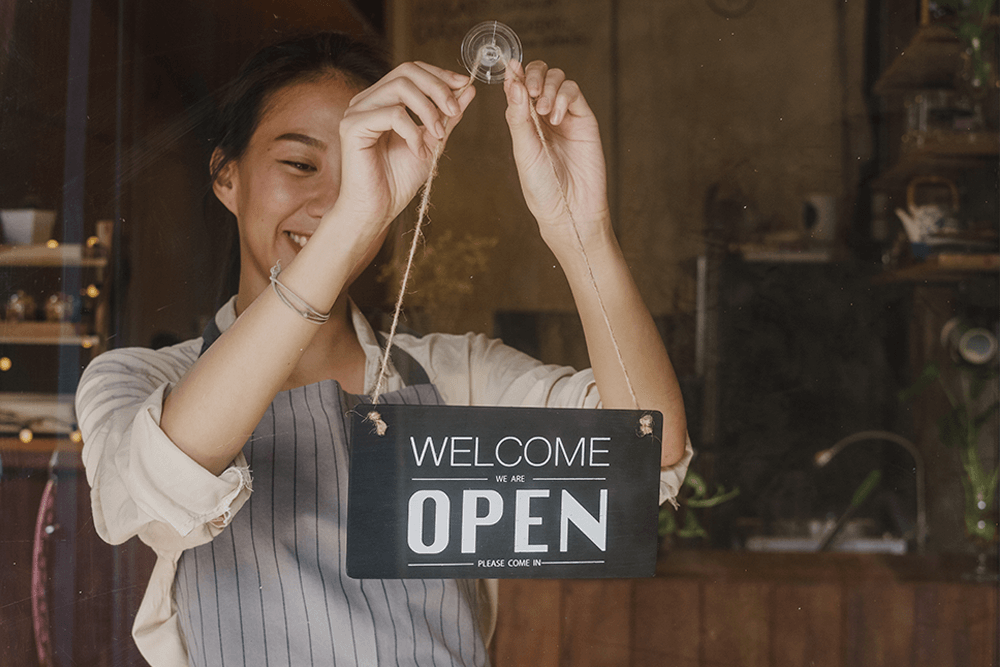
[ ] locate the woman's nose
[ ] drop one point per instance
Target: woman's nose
(322, 197)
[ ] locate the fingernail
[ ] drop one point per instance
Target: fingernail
(453, 107)
(517, 92)
(439, 130)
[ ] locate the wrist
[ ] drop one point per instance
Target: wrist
(572, 242)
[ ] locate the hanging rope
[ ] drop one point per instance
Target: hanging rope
(645, 426)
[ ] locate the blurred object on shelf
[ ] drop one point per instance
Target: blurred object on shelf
(944, 112)
(26, 226)
(61, 307)
(933, 224)
(20, 307)
(967, 342)
(933, 191)
(819, 217)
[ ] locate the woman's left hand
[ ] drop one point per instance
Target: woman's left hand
(571, 131)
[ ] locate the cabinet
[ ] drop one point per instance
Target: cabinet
(55, 319)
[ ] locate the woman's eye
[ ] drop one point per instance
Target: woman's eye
(300, 166)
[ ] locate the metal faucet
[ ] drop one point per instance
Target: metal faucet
(823, 457)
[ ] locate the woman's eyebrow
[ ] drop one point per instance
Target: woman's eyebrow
(312, 142)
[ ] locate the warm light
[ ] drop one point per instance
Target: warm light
(823, 457)
(5, 363)
(52, 243)
(76, 436)
(92, 291)
(92, 241)
(87, 343)
(26, 435)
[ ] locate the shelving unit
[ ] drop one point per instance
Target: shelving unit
(932, 61)
(35, 354)
(939, 140)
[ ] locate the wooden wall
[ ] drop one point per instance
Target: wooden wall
(748, 610)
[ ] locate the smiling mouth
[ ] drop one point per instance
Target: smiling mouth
(298, 238)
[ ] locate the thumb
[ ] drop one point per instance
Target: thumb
(518, 112)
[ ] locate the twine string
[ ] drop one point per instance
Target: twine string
(425, 198)
(645, 423)
(583, 252)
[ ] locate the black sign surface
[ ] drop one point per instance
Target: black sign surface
(485, 492)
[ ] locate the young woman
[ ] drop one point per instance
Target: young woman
(320, 150)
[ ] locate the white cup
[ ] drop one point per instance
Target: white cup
(26, 226)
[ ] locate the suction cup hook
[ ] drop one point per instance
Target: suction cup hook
(492, 45)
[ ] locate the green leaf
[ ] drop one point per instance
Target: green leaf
(668, 522)
(717, 499)
(927, 377)
(866, 487)
(697, 484)
(691, 527)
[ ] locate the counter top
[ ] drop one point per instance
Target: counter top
(718, 565)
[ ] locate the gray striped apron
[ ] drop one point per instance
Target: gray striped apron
(272, 588)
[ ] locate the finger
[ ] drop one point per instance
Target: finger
(534, 77)
(576, 103)
(367, 126)
(454, 79)
(404, 91)
(433, 82)
(550, 88)
(567, 98)
(516, 92)
(464, 100)
(522, 129)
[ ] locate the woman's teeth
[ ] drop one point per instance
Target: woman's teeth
(301, 240)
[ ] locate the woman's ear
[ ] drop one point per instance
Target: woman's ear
(224, 182)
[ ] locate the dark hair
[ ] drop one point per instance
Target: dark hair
(292, 60)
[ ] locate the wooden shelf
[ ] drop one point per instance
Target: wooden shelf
(38, 452)
(944, 154)
(42, 255)
(45, 333)
(946, 267)
(931, 60)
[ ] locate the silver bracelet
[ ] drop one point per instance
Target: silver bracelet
(304, 310)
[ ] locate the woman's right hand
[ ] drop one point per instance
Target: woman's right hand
(386, 154)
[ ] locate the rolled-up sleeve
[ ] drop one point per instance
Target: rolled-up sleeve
(141, 483)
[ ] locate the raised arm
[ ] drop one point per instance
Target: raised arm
(578, 230)
(348, 172)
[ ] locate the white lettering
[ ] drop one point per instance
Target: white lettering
(471, 519)
(476, 457)
(594, 450)
(596, 530)
(429, 442)
(548, 451)
(517, 460)
(454, 449)
(415, 521)
(581, 448)
(523, 520)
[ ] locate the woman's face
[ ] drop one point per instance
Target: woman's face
(288, 177)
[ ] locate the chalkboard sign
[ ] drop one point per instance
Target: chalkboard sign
(486, 492)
